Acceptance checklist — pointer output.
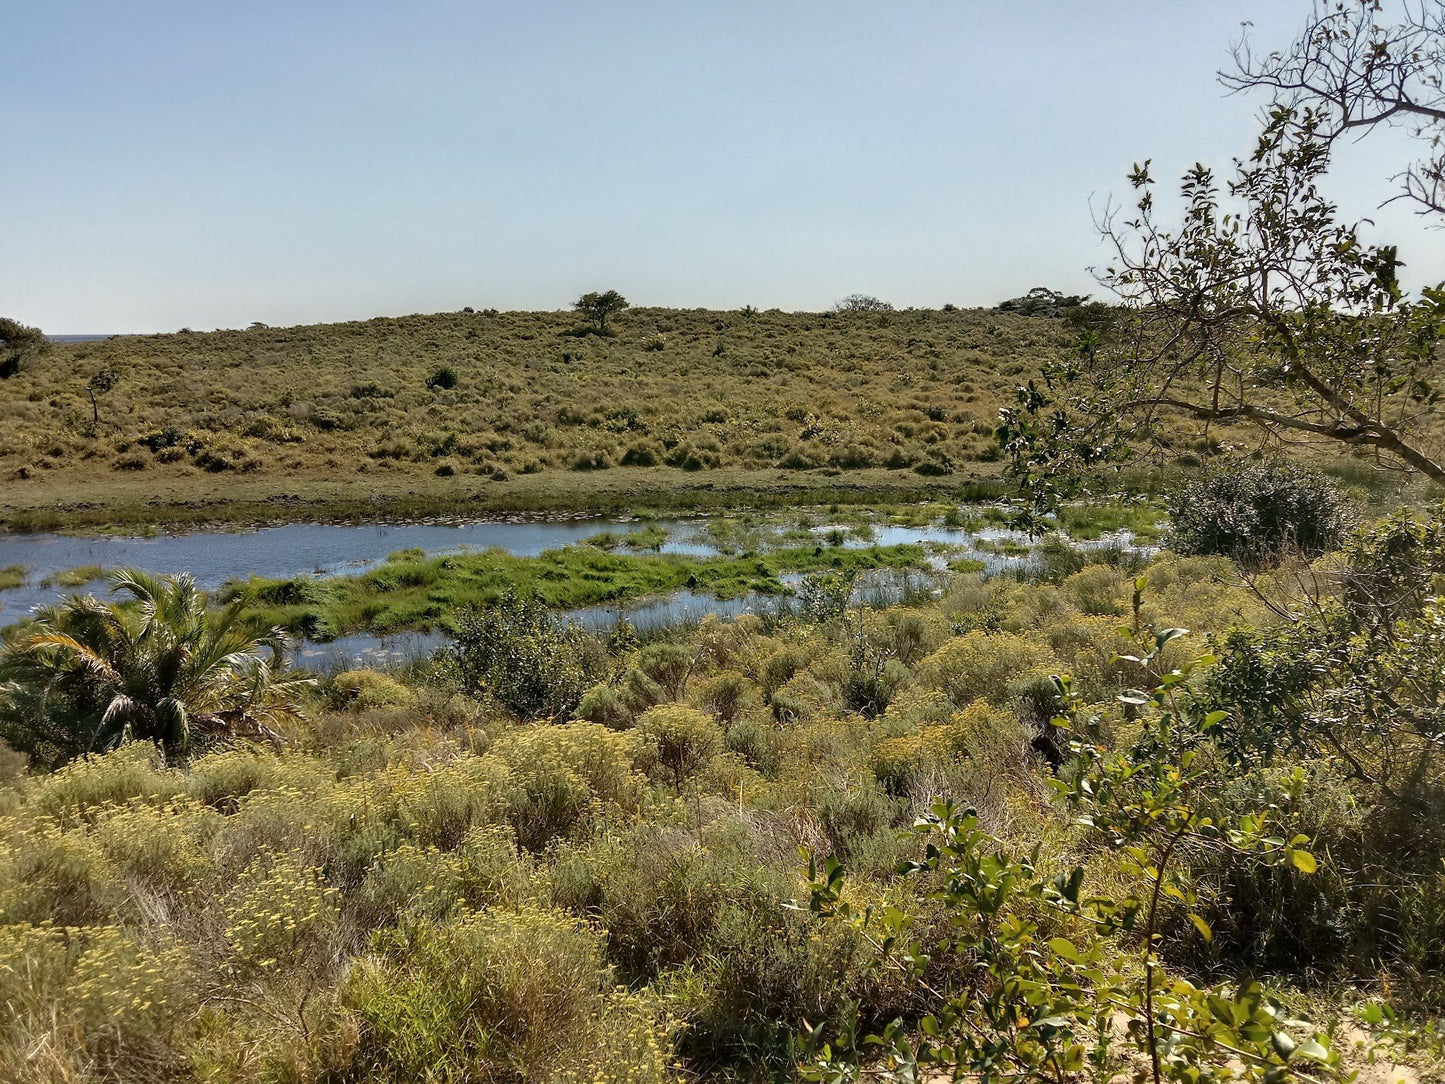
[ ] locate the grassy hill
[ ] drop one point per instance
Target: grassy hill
(678, 407)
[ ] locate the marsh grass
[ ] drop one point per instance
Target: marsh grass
(414, 592)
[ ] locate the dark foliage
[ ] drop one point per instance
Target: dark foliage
(1256, 512)
(521, 655)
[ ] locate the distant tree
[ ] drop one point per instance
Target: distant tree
(18, 344)
(862, 303)
(444, 378)
(1041, 301)
(98, 385)
(598, 307)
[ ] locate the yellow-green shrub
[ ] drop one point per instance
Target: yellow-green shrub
(363, 690)
(497, 994)
(131, 1001)
(980, 665)
(281, 914)
(561, 774)
(221, 778)
(115, 778)
(681, 740)
(51, 874)
(425, 881)
(159, 848)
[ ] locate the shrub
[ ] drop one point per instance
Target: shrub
(591, 459)
(668, 664)
(726, 696)
(642, 453)
(496, 995)
(682, 739)
(520, 655)
(604, 704)
(1256, 512)
(936, 463)
(981, 665)
(444, 378)
(862, 303)
(281, 914)
(131, 1003)
(222, 778)
(363, 690)
(51, 875)
(163, 849)
(560, 774)
(424, 882)
(83, 785)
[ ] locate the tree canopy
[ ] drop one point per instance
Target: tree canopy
(18, 343)
(1258, 306)
(1358, 65)
(597, 307)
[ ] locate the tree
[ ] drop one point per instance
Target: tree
(598, 307)
(1359, 65)
(862, 303)
(88, 675)
(1267, 312)
(18, 344)
(1042, 301)
(98, 385)
(1029, 1006)
(1261, 309)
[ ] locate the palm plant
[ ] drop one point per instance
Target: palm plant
(156, 666)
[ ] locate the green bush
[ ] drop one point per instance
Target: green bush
(605, 704)
(1256, 512)
(520, 655)
(494, 995)
(444, 378)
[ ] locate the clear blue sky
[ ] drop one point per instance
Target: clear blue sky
(207, 164)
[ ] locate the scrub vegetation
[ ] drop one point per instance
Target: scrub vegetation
(476, 412)
(1103, 818)
(553, 855)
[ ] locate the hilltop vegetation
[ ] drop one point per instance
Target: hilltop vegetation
(509, 411)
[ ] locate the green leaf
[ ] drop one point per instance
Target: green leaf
(1202, 926)
(1303, 861)
(1062, 946)
(1283, 1043)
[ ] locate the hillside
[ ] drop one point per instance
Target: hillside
(679, 407)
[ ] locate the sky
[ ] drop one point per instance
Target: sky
(208, 164)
